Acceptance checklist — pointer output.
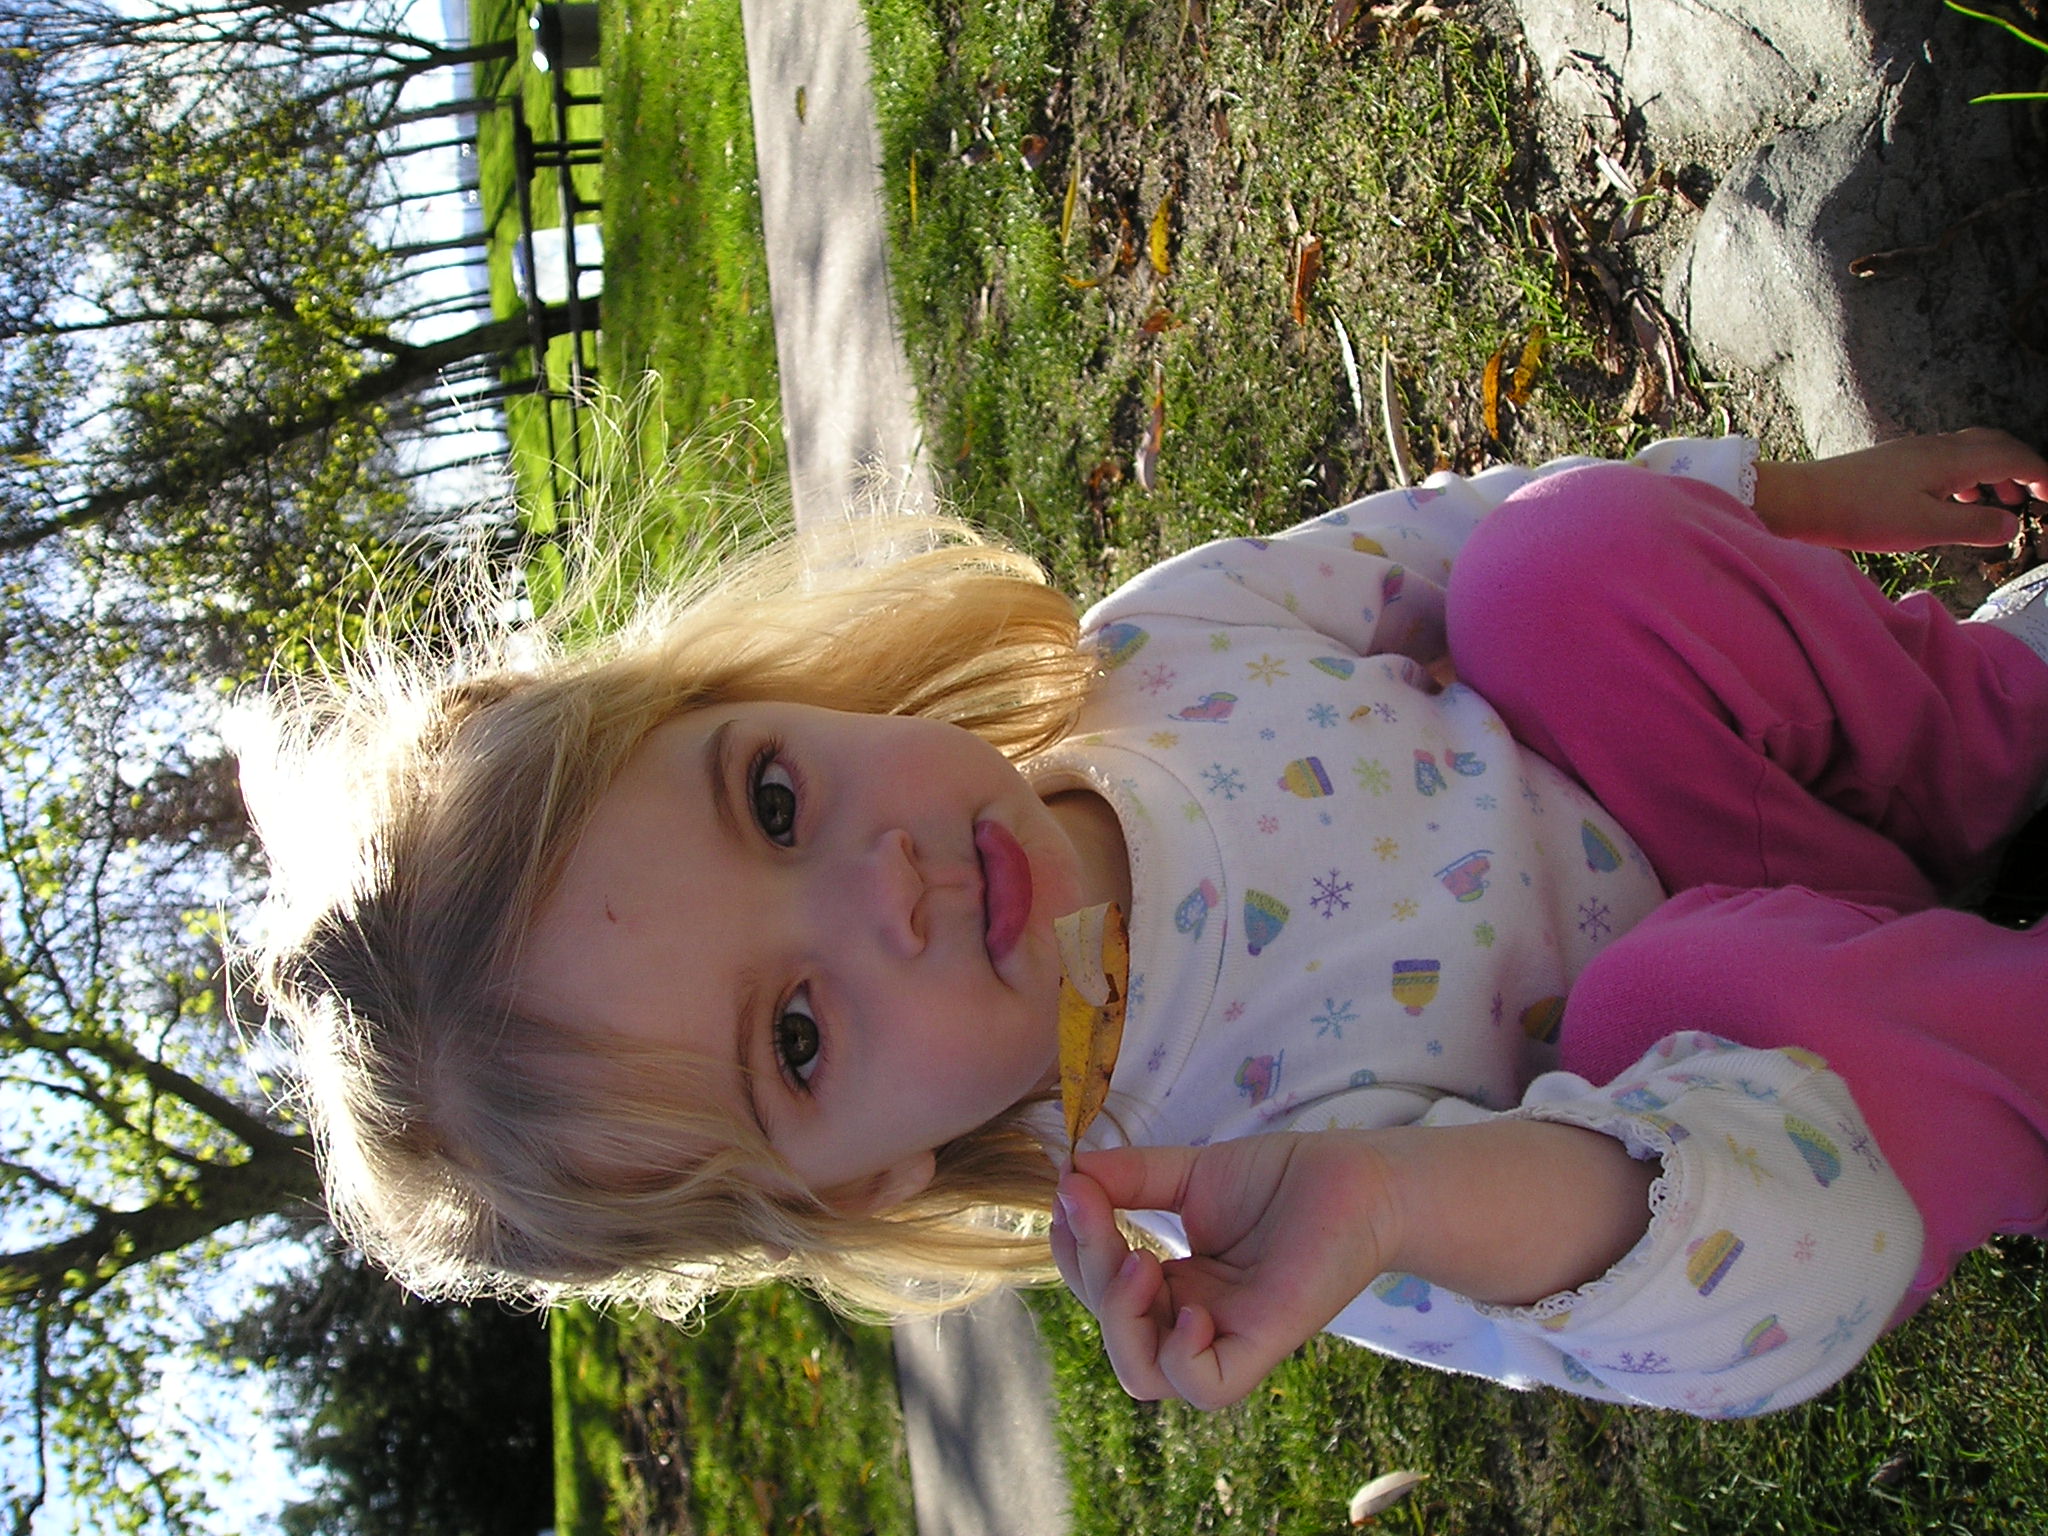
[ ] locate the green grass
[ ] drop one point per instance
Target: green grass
(1939, 1430)
(1041, 360)
(774, 1415)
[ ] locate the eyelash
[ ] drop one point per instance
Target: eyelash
(770, 756)
(798, 1073)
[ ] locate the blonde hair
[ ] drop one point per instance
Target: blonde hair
(416, 815)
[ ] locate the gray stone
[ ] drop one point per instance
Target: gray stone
(1842, 137)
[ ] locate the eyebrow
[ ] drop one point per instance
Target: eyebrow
(718, 769)
(743, 1047)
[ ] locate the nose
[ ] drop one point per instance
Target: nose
(887, 893)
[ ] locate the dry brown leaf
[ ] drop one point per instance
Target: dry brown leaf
(1160, 319)
(1080, 282)
(1489, 393)
(1032, 150)
(1308, 266)
(1155, 435)
(1067, 205)
(1095, 954)
(1159, 241)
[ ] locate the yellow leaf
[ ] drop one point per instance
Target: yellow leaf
(1067, 207)
(1161, 237)
(1489, 393)
(1525, 370)
(1095, 954)
(913, 189)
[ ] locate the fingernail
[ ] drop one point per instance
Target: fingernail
(1129, 1267)
(1063, 1211)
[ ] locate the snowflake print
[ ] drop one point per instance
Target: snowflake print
(1386, 849)
(1595, 918)
(1324, 568)
(1227, 782)
(1373, 776)
(1332, 895)
(1648, 1363)
(1530, 794)
(1267, 669)
(1165, 741)
(1219, 641)
(1435, 1047)
(1682, 465)
(1486, 802)
(1137, 993)
(1404, 909)
(1269, 825)
(1483, 935)
(1323, 715)
(1386, 712)
(1234, 1012)
(1334, 1017)
(1500, 1008)
(1804, 1249)
(1845, 1327)
(1157, 679)
(1268, 733)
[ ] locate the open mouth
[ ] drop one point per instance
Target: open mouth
(1005, 887)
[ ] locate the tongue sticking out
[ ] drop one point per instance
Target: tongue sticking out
(1006, 887)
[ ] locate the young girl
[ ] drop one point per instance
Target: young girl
(722, 950)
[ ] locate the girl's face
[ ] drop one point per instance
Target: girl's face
(848, 917)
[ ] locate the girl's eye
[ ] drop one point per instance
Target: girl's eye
(773, 789)
(796, 1037)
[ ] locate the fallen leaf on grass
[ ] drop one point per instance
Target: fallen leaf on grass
(1489, 394)
(1160, 238)
(1382, 1494)
(1067, 204)
(1308, 266)
(1526, 369)
(1033, 150)
(1155, 434)
(913, 189)
(1095, 956)
(1160, 319)
(1395, 420)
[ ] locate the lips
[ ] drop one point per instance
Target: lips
(1005, 887)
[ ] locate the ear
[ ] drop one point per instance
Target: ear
(884, 1191)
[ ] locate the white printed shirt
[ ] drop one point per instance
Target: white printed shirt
(1359, 902)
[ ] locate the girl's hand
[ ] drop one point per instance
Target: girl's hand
(1910, 493)
(1285, 1231)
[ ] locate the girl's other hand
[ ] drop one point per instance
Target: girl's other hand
(1285, 1231)
(1910, 493)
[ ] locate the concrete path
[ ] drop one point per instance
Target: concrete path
(849, 412)
(976, 1387)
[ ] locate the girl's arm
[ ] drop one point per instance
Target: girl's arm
(1775, 1240)
(1912, 492)
(1288, 1228)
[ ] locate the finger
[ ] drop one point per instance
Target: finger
(1063, 1249)
(1131, 1320)
(1096, 1244)
(1141, 1178)
(1984, 456)
(1192, 1365)
(1982, 523)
